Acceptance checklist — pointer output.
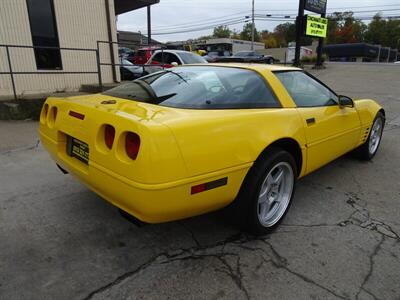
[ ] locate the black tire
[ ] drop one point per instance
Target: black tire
(244, 210)
(363, 152)
(270, 61)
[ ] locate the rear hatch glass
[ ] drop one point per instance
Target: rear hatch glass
(200, 87)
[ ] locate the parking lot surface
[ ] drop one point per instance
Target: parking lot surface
(340, 239)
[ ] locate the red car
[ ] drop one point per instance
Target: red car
(143, 55)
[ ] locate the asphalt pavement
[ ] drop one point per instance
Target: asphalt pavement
(340, 239)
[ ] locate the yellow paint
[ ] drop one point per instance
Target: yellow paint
(181, 148)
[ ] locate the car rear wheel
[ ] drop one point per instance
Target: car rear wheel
(368, 150)
(266, 193)
(275, 194)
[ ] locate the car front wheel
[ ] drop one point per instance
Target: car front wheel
(368, 150)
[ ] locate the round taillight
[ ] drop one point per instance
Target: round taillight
(43, 115)
(52, 115)
(109, 135)
(132, 145)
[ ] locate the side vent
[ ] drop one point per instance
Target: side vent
(364, 137)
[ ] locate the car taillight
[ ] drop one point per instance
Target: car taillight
(132, 145)
(43, 115)
(109, 135)
(45, 109)
(54, 113)
(52, 116)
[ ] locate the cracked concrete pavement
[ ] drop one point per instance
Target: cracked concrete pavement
(340, 239)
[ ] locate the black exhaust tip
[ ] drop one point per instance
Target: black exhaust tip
(62, 170)
(131, 218)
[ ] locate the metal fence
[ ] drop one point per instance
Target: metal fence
(145, 67)
(14, 73)
(96, 52)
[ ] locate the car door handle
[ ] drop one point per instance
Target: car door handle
(310, 121)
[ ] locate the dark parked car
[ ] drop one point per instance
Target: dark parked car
(125, 53)
(214, 56)
(129, 71)
(248, 56)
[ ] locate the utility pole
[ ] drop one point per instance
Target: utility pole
(252, 26)
(319, 63)
(148, 26)
(299, 32)
(379, 54)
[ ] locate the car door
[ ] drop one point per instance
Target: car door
(331, 130)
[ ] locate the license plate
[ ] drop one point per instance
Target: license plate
(78, 149)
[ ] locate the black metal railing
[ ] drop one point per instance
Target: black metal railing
(13, 73)
(113, 64)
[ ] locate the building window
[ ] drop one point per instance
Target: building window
(44, 34)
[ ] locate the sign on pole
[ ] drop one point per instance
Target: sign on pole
(316, 26)
(317, 6)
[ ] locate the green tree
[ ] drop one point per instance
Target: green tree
(285, 33)
(222, 32)
(269, 39)
(343, 27)
(235, 34)
(246, 33)
(383, 32)
(393, 34)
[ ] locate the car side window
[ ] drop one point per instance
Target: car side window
(158, 58)
(170, 58)
(305, 90)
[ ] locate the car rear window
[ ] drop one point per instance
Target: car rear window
(200, 87)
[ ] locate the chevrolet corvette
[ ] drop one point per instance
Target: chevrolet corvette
(197, 138)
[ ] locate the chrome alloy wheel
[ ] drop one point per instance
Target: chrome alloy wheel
(375, 136)
(275, 194)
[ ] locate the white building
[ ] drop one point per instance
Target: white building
(230, 45)
(65, 24)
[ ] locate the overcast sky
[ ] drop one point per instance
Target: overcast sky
(178, 15)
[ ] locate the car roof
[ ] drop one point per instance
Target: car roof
(173, 51)
(150, 48)
(251, 66)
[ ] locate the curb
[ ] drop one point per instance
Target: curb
(21, 109)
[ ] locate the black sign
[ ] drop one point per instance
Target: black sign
(317, 6)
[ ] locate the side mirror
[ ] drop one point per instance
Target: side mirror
(174, 63)
(345, 101)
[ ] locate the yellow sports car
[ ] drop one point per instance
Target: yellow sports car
(193, 139)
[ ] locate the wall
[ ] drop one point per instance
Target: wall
(80, 24)
(279, 53)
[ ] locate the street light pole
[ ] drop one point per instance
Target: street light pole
(148, 25)
(299, 32)
(252, 26)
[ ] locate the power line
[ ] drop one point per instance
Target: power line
(215, 24)
(220, 18)
(178, 27)
(226, 19)
(332, 8)
(269, 19)
(202, 28)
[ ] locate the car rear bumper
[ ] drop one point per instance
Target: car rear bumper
(152, 203)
